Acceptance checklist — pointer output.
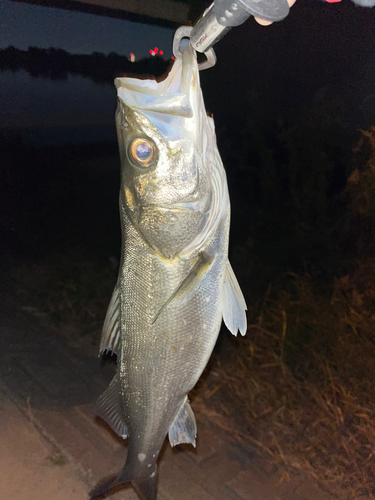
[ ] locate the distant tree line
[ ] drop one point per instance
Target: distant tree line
(57, 64)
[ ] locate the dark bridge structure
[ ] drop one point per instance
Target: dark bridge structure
(163, 12)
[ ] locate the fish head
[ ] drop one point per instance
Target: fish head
(168, 152)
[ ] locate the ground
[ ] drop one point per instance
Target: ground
(54, 448)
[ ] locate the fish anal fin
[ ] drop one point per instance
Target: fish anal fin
(109, 409)
(184, 427)
(110, 341)
(188, 284)
(233, 303)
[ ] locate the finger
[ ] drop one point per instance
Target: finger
(263, 22)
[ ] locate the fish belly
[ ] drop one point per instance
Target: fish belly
(161, 361)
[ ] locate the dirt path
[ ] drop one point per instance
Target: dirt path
(30, 466)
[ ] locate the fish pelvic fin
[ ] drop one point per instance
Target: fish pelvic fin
(189, 283)
(184, 427)
(233, 303)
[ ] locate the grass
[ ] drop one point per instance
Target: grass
(307, 404)
(300, 385)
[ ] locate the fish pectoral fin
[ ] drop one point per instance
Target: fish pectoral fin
(110, 340)
(234, 305)
(184, 427)
(109, 409)
(188, 284)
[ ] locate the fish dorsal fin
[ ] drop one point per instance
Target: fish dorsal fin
(234, 305)
(184, 427)
(188, 284)
(110, 340)
(109, 409)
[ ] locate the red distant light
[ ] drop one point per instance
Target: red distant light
(151, 51)
(156, 50)
(161, 52)
(131, 54)
(333, 1)
(172, 58)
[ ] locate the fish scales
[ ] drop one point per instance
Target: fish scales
(175, 283)
(163, 361)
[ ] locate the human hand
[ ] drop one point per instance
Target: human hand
(263, 22)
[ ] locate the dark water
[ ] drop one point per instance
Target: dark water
(59, 166)
(55, 112)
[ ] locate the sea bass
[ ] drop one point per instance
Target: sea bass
(175, 283)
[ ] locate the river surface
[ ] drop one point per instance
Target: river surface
(55, 112)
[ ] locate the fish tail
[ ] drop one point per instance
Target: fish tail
(144, 486)
(104, 486)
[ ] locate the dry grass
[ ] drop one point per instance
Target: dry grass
(300, 386)
(312, 408)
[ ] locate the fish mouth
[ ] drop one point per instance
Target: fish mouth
(170, 95)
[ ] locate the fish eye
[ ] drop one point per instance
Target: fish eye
(142, 151)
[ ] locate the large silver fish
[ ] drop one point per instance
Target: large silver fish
(175, 282)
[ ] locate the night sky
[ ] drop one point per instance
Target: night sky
(22, 25)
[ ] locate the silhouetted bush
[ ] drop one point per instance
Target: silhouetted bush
(57, 64)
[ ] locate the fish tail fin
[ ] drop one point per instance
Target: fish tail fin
(146, 486)
(104, 486)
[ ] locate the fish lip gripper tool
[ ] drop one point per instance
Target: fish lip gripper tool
(220, 17)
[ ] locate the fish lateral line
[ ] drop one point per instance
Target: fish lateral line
(187, 285)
